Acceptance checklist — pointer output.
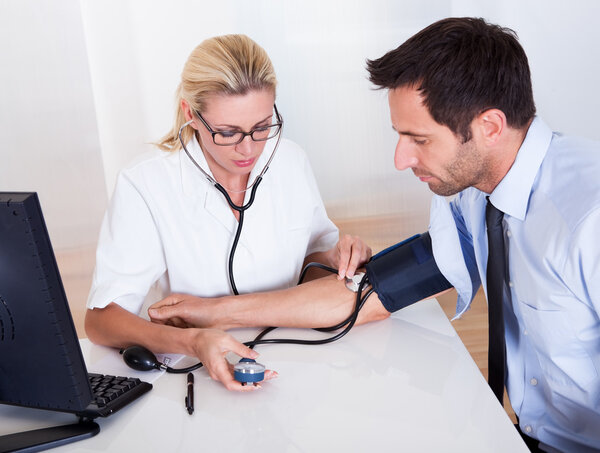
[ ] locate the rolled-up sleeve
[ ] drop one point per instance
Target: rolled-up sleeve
(323, 232)
(129, 258)
(453, 250)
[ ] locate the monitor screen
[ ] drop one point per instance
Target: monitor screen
(41, 364)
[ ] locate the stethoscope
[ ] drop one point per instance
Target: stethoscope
(240, 209)
(248, 371)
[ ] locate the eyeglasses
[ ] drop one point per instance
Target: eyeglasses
(233, 137)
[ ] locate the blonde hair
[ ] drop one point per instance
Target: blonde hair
(223, 65)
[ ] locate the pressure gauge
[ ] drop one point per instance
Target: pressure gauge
(248, 371)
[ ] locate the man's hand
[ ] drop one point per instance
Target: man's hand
(183, 310)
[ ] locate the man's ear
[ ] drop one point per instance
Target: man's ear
(490, 125)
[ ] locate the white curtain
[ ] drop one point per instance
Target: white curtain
(86, 85)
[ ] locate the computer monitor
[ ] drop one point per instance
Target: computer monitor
(41, 364)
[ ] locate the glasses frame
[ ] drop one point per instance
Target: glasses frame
(279, 124)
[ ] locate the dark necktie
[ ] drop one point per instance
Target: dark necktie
(496, 279)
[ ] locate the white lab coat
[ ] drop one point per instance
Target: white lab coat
(169, 229)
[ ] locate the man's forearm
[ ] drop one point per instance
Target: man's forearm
(319, 303)
(115, 327)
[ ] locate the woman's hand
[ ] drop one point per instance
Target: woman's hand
(349, 254)
(183, 310)
(211, 345)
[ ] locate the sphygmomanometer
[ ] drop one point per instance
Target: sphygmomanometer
(400, 275)
(406, 273)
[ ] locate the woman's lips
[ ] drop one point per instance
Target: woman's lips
(244, 163)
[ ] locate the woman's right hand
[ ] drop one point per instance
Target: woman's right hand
(211, 345)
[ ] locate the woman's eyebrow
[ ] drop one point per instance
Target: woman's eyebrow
(232, 126)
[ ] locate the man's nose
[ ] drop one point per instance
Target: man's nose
(404, 156)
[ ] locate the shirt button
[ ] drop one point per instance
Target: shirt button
(508, 234)
(533, 381)
(511, 284)
(528, 429)
(525, 332)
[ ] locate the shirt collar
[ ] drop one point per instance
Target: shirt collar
(511, 195)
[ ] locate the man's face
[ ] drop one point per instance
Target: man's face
(434, 153)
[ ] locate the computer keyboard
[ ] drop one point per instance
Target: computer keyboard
(111, 393)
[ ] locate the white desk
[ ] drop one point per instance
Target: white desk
(403, 384)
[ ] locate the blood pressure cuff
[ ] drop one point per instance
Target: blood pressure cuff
(406, 273)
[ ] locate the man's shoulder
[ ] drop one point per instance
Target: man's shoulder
(569, 176)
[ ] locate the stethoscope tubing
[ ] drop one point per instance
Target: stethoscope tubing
(360, 298)
(219, 186)
(240, 209)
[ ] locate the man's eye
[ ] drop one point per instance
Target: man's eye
(420, 142)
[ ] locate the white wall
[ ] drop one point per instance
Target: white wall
(136, 49)
(561, 40)
(48, 135)
(319, 49)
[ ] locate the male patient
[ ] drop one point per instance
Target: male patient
(461, 102)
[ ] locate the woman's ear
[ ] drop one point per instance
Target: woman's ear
(187, 111)
(491, 124)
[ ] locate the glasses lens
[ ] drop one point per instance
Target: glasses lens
(228, 137)
(265, 133)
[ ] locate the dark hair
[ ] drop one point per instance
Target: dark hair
(462, 67)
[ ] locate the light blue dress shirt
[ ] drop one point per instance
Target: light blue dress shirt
(551, 201)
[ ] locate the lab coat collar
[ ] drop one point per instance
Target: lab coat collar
(203, 194)
(190, 174)
(511, 195)
(194, 183)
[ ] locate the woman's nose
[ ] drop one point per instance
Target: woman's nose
(245, 146)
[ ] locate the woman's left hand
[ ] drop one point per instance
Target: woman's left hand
(349, 254)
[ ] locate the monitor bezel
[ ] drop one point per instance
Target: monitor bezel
(31, 285)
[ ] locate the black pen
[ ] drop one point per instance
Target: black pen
(189, 399)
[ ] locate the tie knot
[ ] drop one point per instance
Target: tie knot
(493, 215)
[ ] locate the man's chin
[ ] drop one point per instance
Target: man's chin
(443, 189)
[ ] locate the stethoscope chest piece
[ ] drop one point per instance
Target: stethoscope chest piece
(248, 371)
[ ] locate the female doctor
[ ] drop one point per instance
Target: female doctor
(173, 217)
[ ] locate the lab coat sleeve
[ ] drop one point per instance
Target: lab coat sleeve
(129, 258)
(324, 234)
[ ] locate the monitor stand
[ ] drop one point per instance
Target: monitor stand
(42, 439)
